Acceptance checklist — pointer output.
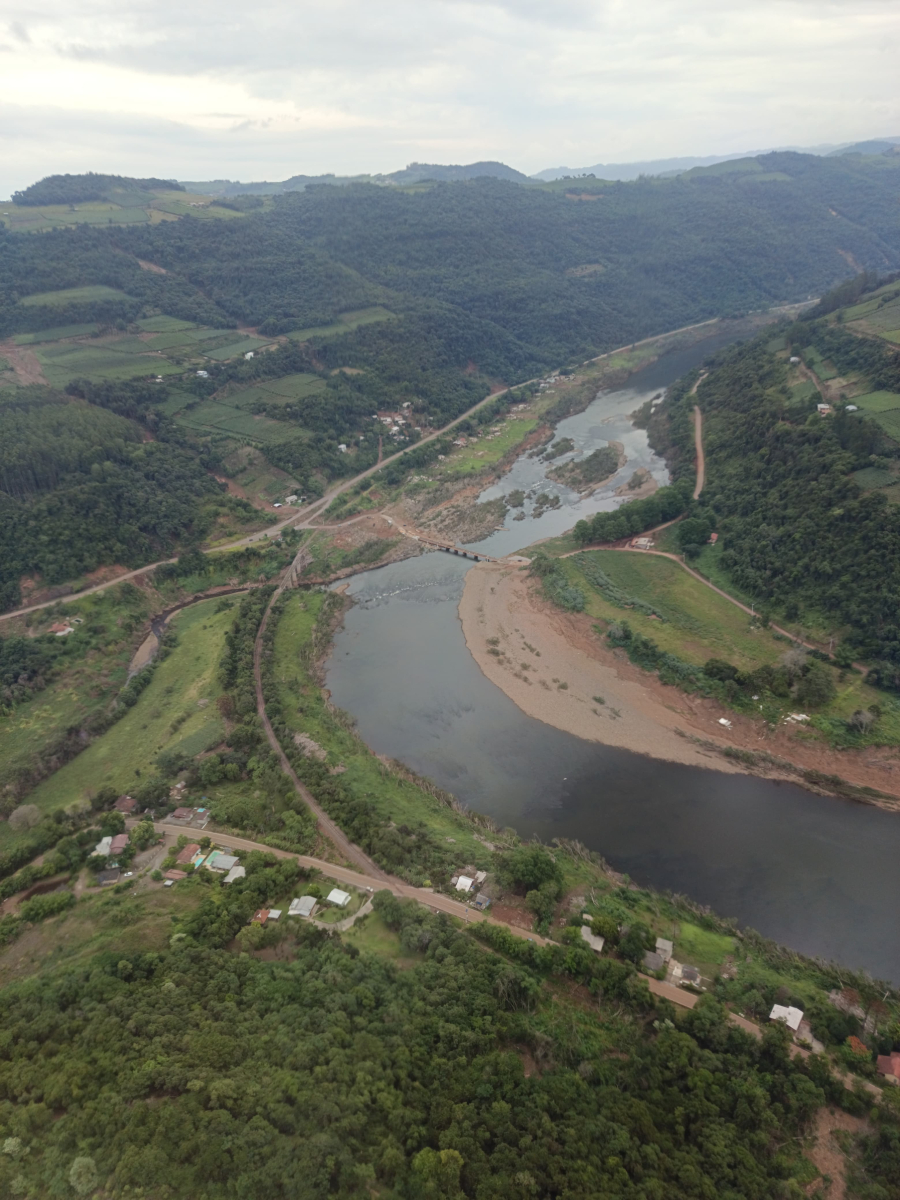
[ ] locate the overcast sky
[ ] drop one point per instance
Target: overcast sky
(202, 90)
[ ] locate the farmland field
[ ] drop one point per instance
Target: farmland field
(233, 349)
(178, 708)
(164, 324)
(345, 323)
(101, 363)
(278, 391)
(55, 335)
(878, 402)
(890, 422)
(214, 416)
(78, 295)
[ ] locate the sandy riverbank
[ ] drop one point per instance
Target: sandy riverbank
(541, 647)
(497, 603)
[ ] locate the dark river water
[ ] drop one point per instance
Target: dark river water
(816, 873)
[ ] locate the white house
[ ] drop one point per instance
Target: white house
(791, 1016)
(102, 849)
(595, 943)
(302, 906)
(249, 354)
(235, 873)
(464, 883)
(336, 896)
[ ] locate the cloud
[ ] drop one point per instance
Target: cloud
(285, 86)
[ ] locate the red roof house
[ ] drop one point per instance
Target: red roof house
(176, 875)
(187, 853)
(889, 1064)
(125, 804)
(118, 844)
(262, 916)
(182, 814)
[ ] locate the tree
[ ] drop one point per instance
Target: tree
(528, 867)
(636, 941)
(83, 1175)
(26, 816)
(817, 687)
(605, 926)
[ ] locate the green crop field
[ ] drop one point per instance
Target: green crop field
(213, 415)
(176, 340)
(177, 708)
(698, 623)
(476, 456)
(874, 477)
(804, 391)
(345, 323)
(79, 295)
(55, 335)
(101, 363)
(823, 369)
(878, 402)
(233, 349)
(294, 387)
(890, 423)
(164, 324)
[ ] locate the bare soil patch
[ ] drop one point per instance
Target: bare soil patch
(23, 361)
(826, 1153)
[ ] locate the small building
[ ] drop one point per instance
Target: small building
(274, 914)
(176, 875)
(851, 408)
(595, 943)
(789, 1015)
(342, 447)
(302, 906)
(260, 916)
(218, 861)
(118, 844)
(188, 854)
(235, 873)
(712, 539)
(290, 499)
(106, 878)
(61, 629)
(643, 543)
(203, 374)
(653, 961)
(103, 848)
(464, 883)
(249, 354)
(125, 804)
(480, 877)
(794, 360)
(482, 902)
(888, 1065)
(183, 814)
(339, 898)
(664, 949)
(824, 410)
(690, 976)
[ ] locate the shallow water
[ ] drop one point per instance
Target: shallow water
(816, 873)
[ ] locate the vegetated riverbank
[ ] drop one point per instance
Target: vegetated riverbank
(554, 667)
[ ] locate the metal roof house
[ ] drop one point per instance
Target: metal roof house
(789, 1015)
(235, 873)
(336, 896)
(302, 906)
(595, 943)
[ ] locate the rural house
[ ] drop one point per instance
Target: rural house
(188, 853)
(791, 1016)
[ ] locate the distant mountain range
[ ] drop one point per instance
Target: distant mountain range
(419, 172)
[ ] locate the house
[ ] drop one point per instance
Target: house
(664, 949)
(102, 849)
(261, 916)
(464, 883)
(61, 629)
(888, 1065)
(482, 902)
(712, 539)
(249, 354)
(235, 873)
(336, 896)
(183, 814)
(824, 410)
(480, 877)
(789, 1015)
(125, 804)
(595, 943)
(302, 906)
(188, 854)
(691, 976)
(290, 499)
(343, 447)
(203, 374)
(274, 914)
(118, 844)
(176, 875)
(218, 861)
(794, 360)
(106, 878)
(653, 961)
(851, 408)
(642, 543)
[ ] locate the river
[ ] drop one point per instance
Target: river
(815, 873)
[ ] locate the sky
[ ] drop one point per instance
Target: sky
(200, 90)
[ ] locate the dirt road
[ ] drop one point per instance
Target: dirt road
(698, 444)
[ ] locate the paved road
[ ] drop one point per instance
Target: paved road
(433, 900)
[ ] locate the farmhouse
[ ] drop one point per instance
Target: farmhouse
(789, 1015)
(188, 853)
(125, 804)
(118, 844)
(336, 896)
(218, 861)
(302, 906)
(176, 875)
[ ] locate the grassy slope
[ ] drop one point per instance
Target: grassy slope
(366, 776)
(182, 681)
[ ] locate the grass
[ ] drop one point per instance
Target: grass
(701, 947)
(164, 324)
(219, 416)
(889, 422)
(104, 362)
(99, 921)
(257, 477)
(78, 295)
(822, 368)
(698, 624)
(345, 323)
(878, 402)
(184, 686)
(467, 460)
(305, 711)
